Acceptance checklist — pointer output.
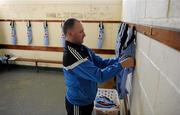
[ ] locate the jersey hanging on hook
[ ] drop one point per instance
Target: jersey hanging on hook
(29, 32)
(46, 34)
(62, 37)
(127, 50)
(121, 38)
(101, 35)
(13, 33)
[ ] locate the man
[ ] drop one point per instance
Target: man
(83, 69)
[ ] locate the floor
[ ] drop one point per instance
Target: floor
(26, 92)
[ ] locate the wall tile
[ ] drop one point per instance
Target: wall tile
(167, 60)
(140, 9)
(156, 53)
(173, 23)
(146, 109)
(172, 65)
(136, 103)
(143, 43)
(145, 21)
(175, 8)
(129, 6)
(156, 8)
(168, 99)
(149, 79)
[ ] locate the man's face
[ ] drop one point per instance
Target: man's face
(77, 33)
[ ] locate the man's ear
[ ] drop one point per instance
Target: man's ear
(69, 33)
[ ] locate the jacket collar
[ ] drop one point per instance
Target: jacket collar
(76, 46)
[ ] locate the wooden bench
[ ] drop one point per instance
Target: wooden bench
(43, 48)
(34, 60)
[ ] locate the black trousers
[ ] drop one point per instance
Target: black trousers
(78, 110)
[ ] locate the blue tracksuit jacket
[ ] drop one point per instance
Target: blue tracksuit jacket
(83, 69)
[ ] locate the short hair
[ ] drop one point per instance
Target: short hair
(68, 24)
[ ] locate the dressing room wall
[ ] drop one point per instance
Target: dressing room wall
(61, 10)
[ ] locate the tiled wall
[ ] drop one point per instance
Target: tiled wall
(156, 85)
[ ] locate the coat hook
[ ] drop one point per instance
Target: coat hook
(29, 23)
(12, 23)
(45, 24)
(151, 30)
(62, 23)
(101, 25)
(144, 32)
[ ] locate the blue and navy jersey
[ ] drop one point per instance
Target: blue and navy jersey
(83, 69)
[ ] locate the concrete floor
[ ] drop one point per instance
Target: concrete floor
(26, 92)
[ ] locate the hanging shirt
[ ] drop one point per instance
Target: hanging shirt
(101, 35)
(13, 33)
(128, 50)
(122, 76)
(121, 38)
(62, 37)
(46, 34)
(29, 33)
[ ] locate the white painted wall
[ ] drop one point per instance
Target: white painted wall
(156, 85)
(57, 10)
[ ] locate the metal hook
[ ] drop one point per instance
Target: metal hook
(144, 32)
(101, 25)
(45, 24)
(12, 23)
(151, 30)
(29, 23)
(62, 23)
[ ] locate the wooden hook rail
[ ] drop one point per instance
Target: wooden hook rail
(169, 37)
(166, 36)
(39, 20)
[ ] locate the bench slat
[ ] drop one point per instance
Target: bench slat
(38, 60)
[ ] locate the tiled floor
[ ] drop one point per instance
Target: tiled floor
(26, 92)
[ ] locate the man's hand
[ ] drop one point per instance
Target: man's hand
(128, 62)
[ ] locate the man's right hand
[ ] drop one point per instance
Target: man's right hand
(128, 62)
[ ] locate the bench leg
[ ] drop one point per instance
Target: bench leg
(37, 66)
(7, 63)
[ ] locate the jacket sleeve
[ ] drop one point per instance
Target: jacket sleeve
(102, 63)
(87, 70)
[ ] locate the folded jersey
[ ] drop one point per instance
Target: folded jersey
(104, 102)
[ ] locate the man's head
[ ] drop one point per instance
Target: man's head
(73, 31)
